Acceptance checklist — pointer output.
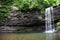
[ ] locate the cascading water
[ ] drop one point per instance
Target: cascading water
(49, 20)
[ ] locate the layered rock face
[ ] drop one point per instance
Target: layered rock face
(28, 19)
(22, 18)
(19, 19)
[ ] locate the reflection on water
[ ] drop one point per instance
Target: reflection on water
(50, 36)
(29, 36)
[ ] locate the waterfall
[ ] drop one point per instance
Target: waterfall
(49, 20)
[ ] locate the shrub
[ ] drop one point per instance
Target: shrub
(58, 24)
(5, 8)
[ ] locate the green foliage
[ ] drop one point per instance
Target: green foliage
(26, 4)
(38, 4)
(5, 6)
(3, 15)
(52, 2)
(58, 25)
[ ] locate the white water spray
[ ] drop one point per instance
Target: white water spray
(49, 20)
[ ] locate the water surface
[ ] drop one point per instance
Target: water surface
(29, 36)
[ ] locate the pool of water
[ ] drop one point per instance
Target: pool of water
(29, 36)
